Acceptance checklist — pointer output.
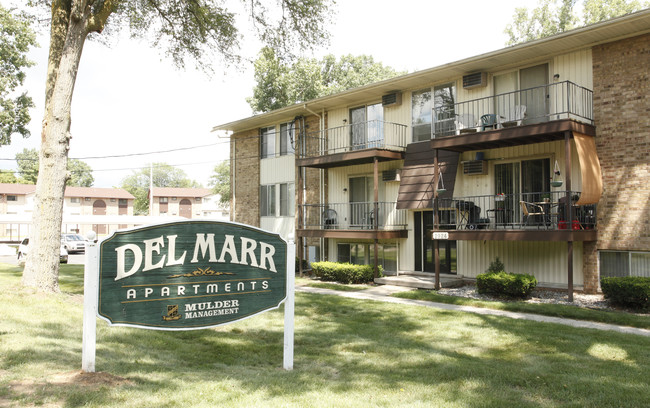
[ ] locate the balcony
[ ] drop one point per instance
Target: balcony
(353, 144)
(542, 216)
(353, 220)
(527, 116)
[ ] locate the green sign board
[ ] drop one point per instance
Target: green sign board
(190, 275)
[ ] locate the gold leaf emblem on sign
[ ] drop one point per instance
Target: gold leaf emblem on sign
(201, 272)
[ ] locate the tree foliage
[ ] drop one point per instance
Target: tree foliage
(280, 84)
(220, 181)
(80, 174)
(556, 16)
(16, 37)
(188, 30)
(162, 175)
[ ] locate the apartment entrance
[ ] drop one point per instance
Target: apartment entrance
(424, 250)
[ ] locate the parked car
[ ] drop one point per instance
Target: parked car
(73, 243)
(23, 249)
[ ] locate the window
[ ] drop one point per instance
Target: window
(173, 198)
(123, 201)
(87, 198)
(444, 102)
(163, 200)
(364, 254)
(267, 142)
(624, 263)
(421, 114)
(112, 200)
(12, 198)
(287, 138)
(267, 201)
(74, 200)
(197, 199)
(287, 200)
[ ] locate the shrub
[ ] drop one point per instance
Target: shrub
(344, 272)
(630, 291)
(305, 265)
(496, 266)
(506, 284)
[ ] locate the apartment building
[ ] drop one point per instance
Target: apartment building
(182, 202)
(535, 153)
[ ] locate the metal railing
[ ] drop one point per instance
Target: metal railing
(354, 216)
(373, 134)
(542, 210)
(562, 100)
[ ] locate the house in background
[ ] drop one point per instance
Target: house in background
(79, 203)
(536, 154)
(16, 199)
(182, 202)
(87, 201)
(213, 209)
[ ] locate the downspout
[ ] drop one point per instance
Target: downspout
(233, 179)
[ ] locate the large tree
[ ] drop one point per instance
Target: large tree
(556, 16)
(16, 37)
(158, 175)
(220, 181)
(282, 83)
(192, 30)
(81, 174)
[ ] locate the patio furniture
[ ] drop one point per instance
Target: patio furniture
(488, 121)
(515, 116)
(465, 123)
(534, 210)
(329, 219)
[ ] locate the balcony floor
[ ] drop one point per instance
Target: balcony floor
(350, 158)
(352, 234)
(512, 136)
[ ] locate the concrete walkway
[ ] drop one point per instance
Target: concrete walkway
(383, 294)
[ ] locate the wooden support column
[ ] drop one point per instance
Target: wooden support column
(568, 211)
(375, 218)
(436, 221)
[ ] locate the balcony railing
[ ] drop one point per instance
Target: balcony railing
(354, 216)
(562, 100)
(373, 134)
(542, 211)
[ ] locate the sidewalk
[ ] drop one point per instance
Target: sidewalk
(383, 294)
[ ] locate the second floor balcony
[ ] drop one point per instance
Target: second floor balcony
(533, 106)
(353, 220)
(353, 144)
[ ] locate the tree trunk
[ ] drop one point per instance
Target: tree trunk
(42, 264)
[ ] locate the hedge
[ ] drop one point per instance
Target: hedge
(631, 291)
(344, 272)
(506, 284)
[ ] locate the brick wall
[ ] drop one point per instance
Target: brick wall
(245, 167)
(622, 114)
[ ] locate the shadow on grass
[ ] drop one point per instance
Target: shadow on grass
(353, 350)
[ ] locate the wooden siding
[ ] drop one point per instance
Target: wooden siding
(547, 261)
(416, 185)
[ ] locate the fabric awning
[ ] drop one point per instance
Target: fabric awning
(592, 178)
(416, 185)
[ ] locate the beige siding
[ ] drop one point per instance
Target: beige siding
(280, 169)
(284, 226)
(575, 67)
(484, 185)
(547, 261)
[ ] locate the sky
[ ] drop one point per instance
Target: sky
(130, 99)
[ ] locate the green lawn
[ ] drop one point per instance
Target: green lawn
(347, 353)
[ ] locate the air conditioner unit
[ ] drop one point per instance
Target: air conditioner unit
(392, 99)
(391, 175)
(475, 167)
(475, 80)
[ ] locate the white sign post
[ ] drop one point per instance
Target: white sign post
(289, 305)
(91, 275)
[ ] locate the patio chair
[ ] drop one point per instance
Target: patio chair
(488, 121)
(531, 209)
(330, 219)
(465, 123)
(516, 116)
